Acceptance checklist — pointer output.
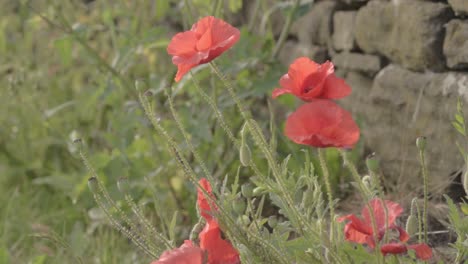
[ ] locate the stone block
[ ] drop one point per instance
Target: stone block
(364, 63)
(343, 30)
(409, 32)
(293, 50)
(459, 6)
(315, 27)
(456, 44)
(406, 104)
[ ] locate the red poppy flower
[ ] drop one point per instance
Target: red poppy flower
(361, 231)
(185, 254)
(322, 123)
(307, 80)
(219, 251)
(207, 39)
(205, 206)
(423, 251)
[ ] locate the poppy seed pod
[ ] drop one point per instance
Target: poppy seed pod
(93, 185)
(421, 143)
(247, 190)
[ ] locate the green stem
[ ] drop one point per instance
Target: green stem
(425, 183)
(326, 178)
(285, 30)
(357, 179)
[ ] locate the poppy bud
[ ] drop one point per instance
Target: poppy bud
(367, 183)
(244, 152)
(123, 185)
(93, 185)
(273, 221)
(140, 85)
(412, 225)
(421, 143)
(465, 181)
(244, 220)
(239, 205)
(258, 191)
(372, 163)
(247, 190)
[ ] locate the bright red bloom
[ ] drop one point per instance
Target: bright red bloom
(423, 251)
(207, 39)
(361, 231)
(322, 123)
(185, 254)
(307, 80)
(205, 206)
(220, 251)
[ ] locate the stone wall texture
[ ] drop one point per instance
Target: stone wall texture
(407, 62)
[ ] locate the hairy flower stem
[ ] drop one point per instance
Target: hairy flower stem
(182, 129)
(425, 183)
(357, 179)
(326, 178)
(261, 142)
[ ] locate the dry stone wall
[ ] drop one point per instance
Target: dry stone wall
(407, 62)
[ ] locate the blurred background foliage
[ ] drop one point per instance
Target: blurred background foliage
(67, 70)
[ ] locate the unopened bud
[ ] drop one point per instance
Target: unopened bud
(123, 185)
(465, 181)
(412, 225)
(421, 143)
(239, 205)
(258, 191)
(245, 220)
(140, 85)
(372, 163)
(247, 190)
(93, 185)
(244, 154)
(273, 221)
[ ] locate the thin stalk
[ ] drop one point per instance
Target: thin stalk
(149, 228)
(357, 179)
(425, 183)
(260, 140)
(285, 30)
(254, 15)
(182, 129)
(326, 178)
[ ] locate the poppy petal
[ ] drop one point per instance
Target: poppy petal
(322, 123)
(378, 206)
(393, 248)
(335, 88)
(205, 206)
(423, 251)
(185, 254)
(207, 39)
(219, 251)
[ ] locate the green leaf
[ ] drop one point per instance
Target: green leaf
(64, 47)
(459, 128)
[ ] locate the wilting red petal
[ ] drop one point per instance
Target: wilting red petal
(207, 39)
(404, 236)
(322, 123)
(185, 254)
(205, 206)
(423, 251)
(308, 80)
(393, 211)
(356, 230)
(393, 248)
(219, 251)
